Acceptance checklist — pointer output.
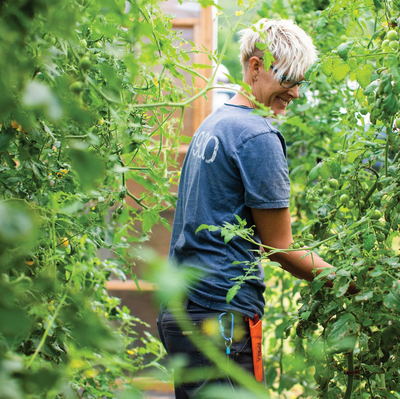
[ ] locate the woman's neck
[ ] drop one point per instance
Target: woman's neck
(240, 99)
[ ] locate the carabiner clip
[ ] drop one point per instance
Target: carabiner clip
(228, 341)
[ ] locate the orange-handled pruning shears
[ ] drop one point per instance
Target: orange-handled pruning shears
(256, 346)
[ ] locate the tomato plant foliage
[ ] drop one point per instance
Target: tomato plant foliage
(88, 101)
(343, 152)
(77, 78)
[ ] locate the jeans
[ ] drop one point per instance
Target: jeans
(194, 363)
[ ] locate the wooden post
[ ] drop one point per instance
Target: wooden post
(203, 34)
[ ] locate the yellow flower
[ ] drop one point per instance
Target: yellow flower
(219, 13)
(101, 121)
(129, 352)
(171, 180)
(60, 173)
(238, 13)
(93, 208)
(155, 81)
(105, 314)
(181, 43)
(179, 173)
(64, 241)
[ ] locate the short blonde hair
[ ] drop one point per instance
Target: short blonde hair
(291, 47)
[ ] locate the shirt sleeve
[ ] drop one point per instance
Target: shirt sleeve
(264, 171)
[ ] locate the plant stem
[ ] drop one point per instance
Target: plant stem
(46, 333)
(349, 387)
(53, 230)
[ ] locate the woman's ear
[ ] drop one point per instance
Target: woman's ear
(255, 65)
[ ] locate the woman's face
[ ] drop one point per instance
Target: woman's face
(267, 90)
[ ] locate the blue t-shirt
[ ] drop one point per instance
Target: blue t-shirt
(235, 162)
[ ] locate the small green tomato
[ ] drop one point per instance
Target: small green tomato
(392, 35)
(85, 64)
(344, 199)
(76, 87)
(350, 205)
(380, 237)
(394, 45)
(326, 190)
(376, 214)
(333, 183)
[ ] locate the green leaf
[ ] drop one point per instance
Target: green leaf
(340, 72)
(228, 235)
(325, 171)
(327, 66)
(5, 139)
(232, 293)
(150, 217)
(206, 3)
(207, 227)
(201, 66)
(365, 296)
(89, 167)
(246, 87)
(231, 78)
(261, 46)
(391, 105)
(336, 170)
(392, 299)
(185, 139)
(343, 49)
(270, 376)
(369, 242)
(297, 121)
(314, 173)
(363, 75)
(321, 23)
(341, 286)
(268, 59)
(372, 87)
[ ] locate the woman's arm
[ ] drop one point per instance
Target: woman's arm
(275, 230)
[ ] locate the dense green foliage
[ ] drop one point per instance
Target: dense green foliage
(344, 163)
(76, 77)
(85, 106)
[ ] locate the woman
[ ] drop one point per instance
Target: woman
(236, 165)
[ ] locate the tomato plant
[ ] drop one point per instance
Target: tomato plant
(82, 111)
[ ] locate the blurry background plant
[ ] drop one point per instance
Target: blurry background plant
(82, 110)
